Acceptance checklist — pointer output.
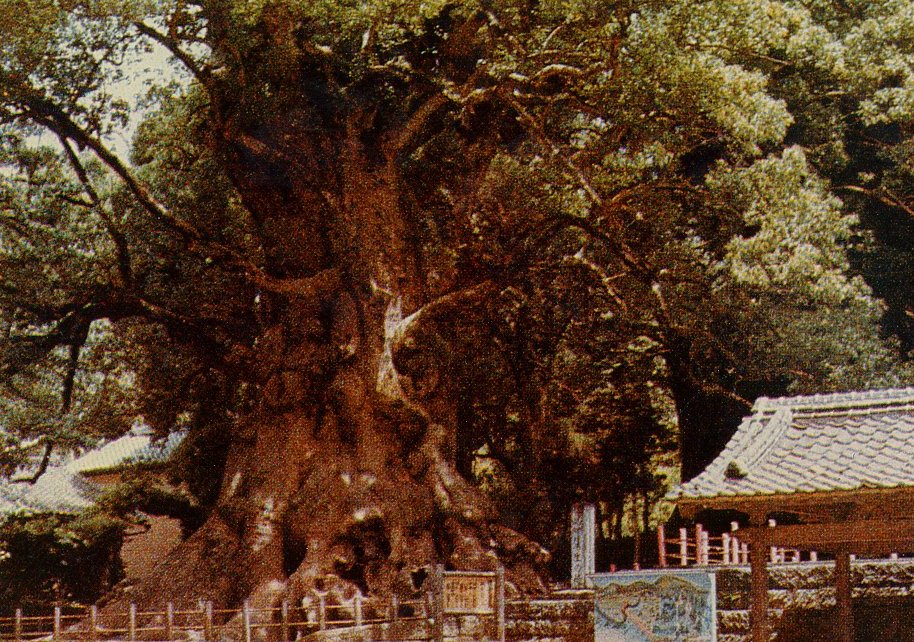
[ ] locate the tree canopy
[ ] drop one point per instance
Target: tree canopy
(417, 275)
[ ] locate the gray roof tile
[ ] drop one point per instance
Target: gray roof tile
(816, 443)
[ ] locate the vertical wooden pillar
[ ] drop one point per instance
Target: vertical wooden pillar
(661, 546)
(683, 547)
(500, 603)
(438, 602)
(758, 560)
(845, 612)
(131, 623)
(18, 625)
(321, 610)
(56, 634)
(285, 621)
(169, 621)
(208, 622)
(93, 622)
(357, 608)
(246, 620)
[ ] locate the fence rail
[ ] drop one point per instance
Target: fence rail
(697, 547)
(453, 593)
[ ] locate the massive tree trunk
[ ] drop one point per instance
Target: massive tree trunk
(346, 463)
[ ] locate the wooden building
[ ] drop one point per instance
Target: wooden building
(832, 473)
(71, 485)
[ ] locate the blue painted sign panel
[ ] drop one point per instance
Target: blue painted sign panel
(655, 606)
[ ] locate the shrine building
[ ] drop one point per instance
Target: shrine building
(837, 473)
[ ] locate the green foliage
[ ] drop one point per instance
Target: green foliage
(49, 559)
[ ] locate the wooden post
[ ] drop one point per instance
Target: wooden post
(698, 545)
(500, 603)
(18, 625)
(734, 552)
(683, 547)
(725, 545)
(208, 622)
(395, 608)
(246, 620)
(93, 622)
(169, 621)
(845, 611)
(357, 608)
(321, 611)
(706, 547)
(131, 625)
(661, 546)
(774, 551)
(758, 558)
(56, 634)
(438, 602)
(285, 621)
(744, 552)
(813, 556)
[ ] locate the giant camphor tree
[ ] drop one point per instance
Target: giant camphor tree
(415, 275)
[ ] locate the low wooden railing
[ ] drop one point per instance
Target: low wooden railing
(452, 593)
(697, 547)
(291, 621)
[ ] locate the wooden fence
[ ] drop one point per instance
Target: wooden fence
(453, 593)
(697, 547)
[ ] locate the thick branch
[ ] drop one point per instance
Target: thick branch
(122, 249)
(884, 196)
(200, 73)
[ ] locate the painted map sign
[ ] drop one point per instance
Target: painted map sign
(659, 606)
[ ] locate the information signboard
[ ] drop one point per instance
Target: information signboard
(655, 606)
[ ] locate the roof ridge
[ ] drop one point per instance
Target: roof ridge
(837, 400)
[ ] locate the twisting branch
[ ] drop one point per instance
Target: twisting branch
(66, 404)
(45, 113)
(200, 73)
(884, 196)
(121, 246)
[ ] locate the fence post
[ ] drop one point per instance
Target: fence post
(321, 611)
(725, 545)
(438, 602)
(698, 546)
(661, 546)
(208, 621)
(774, 551)
(93, 622)
(131, 627)
(285, 621)
(56, 634)
(500, 602)
(395, 607)
(357, 607)
(169, 621)
(683, 547)
(18, 625)
(246, 620)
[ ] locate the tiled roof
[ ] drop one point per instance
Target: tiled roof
(63, 487)
(134, 448)
(816, 443)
